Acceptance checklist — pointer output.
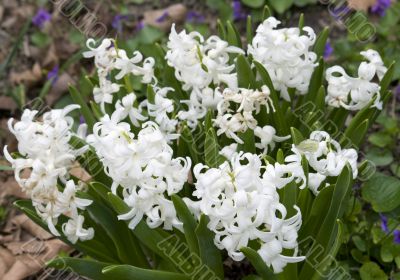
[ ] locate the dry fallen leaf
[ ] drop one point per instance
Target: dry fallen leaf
(80, 173)
(28, 77)
(174, 13)
(27, 224)
(59, 88)
(10, 188)
(361, 5)
(51, 57)
(29, 264)
(6, 261)
(7, 103)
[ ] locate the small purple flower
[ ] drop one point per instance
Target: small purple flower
(380, 7)
(238, 13)
(53, 74)
(396, 236)
(163, 17)
(140, 25)
(81, 120)
(328, 50)
(117, 22)
(41, 17)
(384, 223)
(193, 16)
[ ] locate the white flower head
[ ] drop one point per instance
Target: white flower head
(49, 156)
(356, 93)
(242, 205)
(286, 55)
(248, 102)
(144, 167)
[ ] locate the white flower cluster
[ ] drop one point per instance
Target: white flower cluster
(285, 54)
(143, 167)
(242, 204)
(355, 93)
(197, 64)
(325, 156)
(46, 158)
(236, 113)
(135, 136)
(107, 58)
(161, 111)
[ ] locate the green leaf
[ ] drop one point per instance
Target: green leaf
(249, 29)
(280, 5)
(211, 150)
(189, 223)
(383, 192)
(90, 247)
(188, 140)
(315, 219)
(328, 231)
(380, 139)
(84, 267)
(127, 248)
(266, 12)
(149, 35)
(297, 137)
(208, 120)
(245, 75)
(209, 254)
(372, 271)
(315, 82)
(395, 168)
(232, 35)
(127, 272)
(319, 47)
(253, 3)
(360, 243)
(87, 114)
(387, 79)
(301, 23)
(255, 259)
(221, 30)
(248, 141)
(96, 110)
(167, 246)
(380, 157)
(278, 115)
(40, 39)
(326, 262)
(289, 198)
(354, 138)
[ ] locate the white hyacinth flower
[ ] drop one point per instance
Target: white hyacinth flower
(249, 103)
(268, 137)
(243, 205)
(356, 93)
(285, 54)
(325, 156)
(49, 156)
(161, 110)
(198, 64)
(127, 107)
(143, 166)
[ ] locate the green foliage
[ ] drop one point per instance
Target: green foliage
(383, 192)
